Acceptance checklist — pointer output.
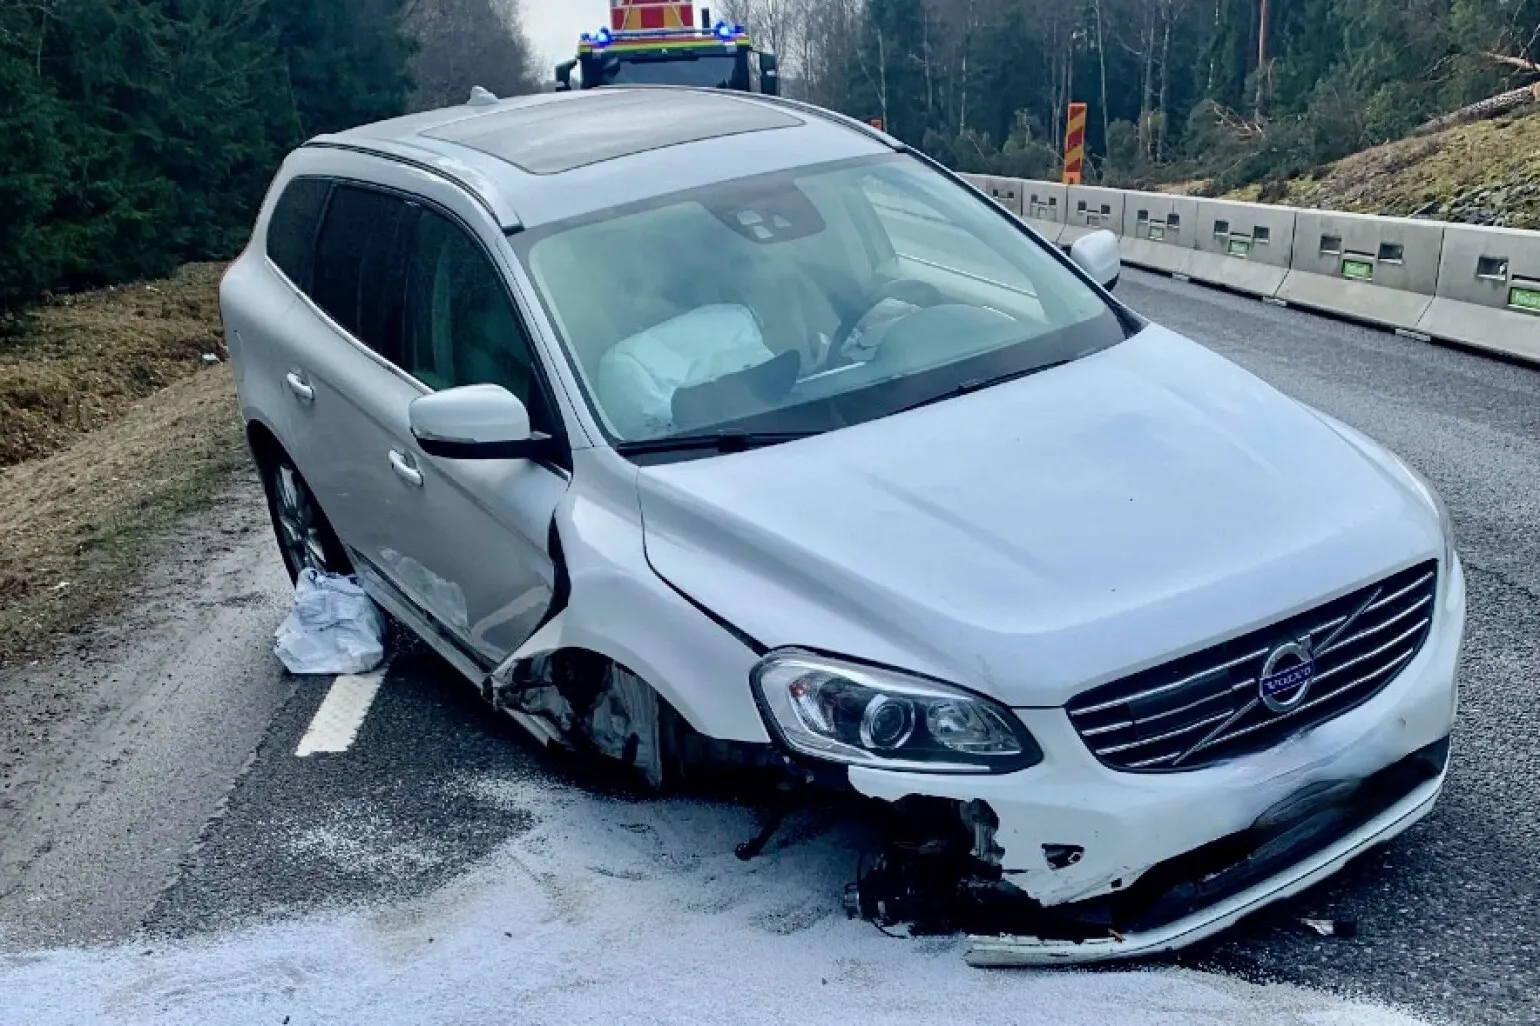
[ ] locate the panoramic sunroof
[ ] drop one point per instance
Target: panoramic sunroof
(556, 137)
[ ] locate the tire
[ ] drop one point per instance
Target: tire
(304, 535)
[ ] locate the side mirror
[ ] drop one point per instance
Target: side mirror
(475, 422)
(1097, 255)
(769, 74)
(564, 76)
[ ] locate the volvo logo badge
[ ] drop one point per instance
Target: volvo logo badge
(1286, 676)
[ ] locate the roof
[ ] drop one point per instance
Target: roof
(553, 138)
(558, 155)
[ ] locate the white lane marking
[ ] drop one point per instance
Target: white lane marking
(342, 712)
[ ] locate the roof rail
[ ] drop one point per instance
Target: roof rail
(834, 115)
(468, 178)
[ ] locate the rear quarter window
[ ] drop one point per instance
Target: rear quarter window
(292, 229)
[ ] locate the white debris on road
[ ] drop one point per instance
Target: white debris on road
(614, 912)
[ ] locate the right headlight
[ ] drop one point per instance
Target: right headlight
(861, 715)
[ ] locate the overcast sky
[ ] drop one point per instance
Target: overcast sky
(554, 26)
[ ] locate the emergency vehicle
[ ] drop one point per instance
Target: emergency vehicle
(659, 42)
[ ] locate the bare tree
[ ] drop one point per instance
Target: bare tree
(467, 43)
(1101, 53)
(1264, 65)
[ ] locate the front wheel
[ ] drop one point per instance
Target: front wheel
(305, 537)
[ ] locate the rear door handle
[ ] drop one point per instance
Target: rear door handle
(298, 387)
(402, 464)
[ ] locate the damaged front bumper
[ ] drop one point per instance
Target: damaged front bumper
(1316, 864)
(1095, 864)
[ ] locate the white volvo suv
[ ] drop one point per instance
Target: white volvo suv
(703, 429)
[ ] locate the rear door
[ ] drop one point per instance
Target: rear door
(340, 370)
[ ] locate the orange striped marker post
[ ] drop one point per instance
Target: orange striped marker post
(1074, 145)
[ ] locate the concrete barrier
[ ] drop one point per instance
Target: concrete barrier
(1488, 292)
(1044, 205)
(1006, 192)
(1091, 208)
(1382, 270)
(1242, 246)
(1479, 287)
(1158, 231)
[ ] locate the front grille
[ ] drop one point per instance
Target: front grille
(1207, 707)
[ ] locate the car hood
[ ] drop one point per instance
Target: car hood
(1042, 536)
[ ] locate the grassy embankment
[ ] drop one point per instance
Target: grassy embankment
(1482, 173)
(112, 426)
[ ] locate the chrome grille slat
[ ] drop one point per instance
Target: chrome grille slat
(1374, 654)
(1098, 731)
(1249, 682)
(1185, 715)
(1377, 604)
(1131, 745)
(1164, 688)
(1147, 763)
(1367, 631)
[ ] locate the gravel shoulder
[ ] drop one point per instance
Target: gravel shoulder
(117, 420)
(115, 752)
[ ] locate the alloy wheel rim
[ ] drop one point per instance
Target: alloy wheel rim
(298, 523)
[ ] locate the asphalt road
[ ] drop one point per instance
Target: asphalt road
(1448, 916)
(163, 803)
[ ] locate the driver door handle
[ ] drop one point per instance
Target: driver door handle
(405, 468)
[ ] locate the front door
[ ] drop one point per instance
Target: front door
(477, 552)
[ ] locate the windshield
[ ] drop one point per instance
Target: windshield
(805, 301)
(715, 71)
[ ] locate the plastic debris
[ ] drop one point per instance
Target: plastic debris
(211, 358)
(333, 627)
(1333, 927)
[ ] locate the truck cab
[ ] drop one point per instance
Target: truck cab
(653, 43)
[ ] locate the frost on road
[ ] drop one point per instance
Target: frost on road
(615, 911)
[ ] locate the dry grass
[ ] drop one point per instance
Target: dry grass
(111, 427)
(77, 524)
(80, 362)
(1401, 178)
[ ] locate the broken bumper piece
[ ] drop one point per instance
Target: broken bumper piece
(1298, 875)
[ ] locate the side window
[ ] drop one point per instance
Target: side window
(461, 326)
(919, 229)
(357, 272)
(291, 230)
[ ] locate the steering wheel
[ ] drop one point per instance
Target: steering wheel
(908, 290)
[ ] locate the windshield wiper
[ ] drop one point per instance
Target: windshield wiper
(979, 384)
(721, 442)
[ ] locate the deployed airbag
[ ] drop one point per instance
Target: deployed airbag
(638, 378)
